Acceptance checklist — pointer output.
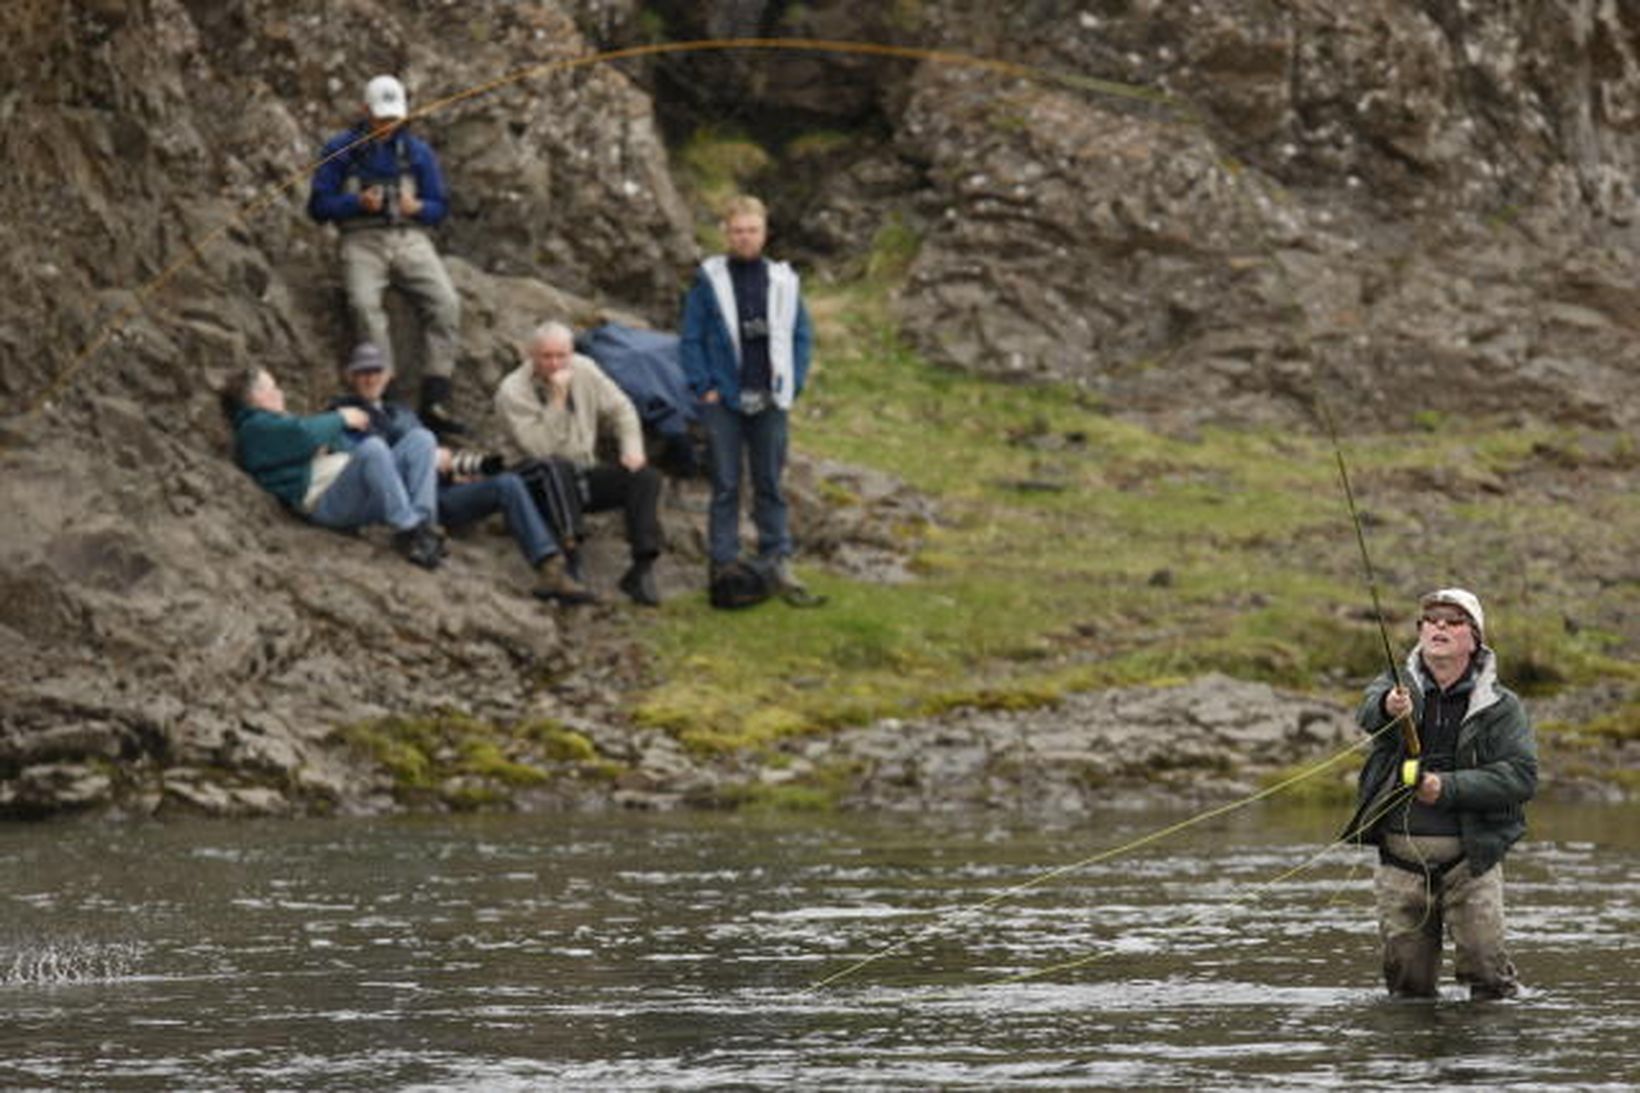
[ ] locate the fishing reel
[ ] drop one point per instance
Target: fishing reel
(1412, 772)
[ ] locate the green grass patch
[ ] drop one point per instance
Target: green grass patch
(1332, 789)
(1074, 550)
(717, 163)
(465, 762)
(1620, 726)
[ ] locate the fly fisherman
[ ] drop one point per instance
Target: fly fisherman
(381, 186)
(1443, 798)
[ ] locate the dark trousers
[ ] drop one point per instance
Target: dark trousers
(757, 442)
(638, 494)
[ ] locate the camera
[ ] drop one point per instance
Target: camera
(475, 464)
(390, 202)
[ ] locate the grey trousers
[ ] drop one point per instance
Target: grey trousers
(372, 259)
(1415, 909)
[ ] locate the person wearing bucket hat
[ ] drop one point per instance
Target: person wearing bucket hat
(382, 188)
(1442, 796)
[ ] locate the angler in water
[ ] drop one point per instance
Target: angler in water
(1443, 799)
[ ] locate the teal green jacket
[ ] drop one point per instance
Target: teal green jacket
(1496, 763)
(278, 449)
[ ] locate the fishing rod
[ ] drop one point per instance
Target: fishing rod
(1412, 765)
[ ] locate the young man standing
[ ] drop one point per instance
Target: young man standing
(745, 349)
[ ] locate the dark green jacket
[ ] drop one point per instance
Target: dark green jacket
(1496, 762)
(278, 449)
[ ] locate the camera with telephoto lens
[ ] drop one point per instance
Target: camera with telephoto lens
(475, 464)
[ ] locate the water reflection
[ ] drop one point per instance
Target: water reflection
(503, 952)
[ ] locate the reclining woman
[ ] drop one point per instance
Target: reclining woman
(309, 463)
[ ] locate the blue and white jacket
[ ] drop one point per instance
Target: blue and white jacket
(710, 348)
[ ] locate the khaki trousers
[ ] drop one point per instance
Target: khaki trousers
(372, 259)
(1414, 909)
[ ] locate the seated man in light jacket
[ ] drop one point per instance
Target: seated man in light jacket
(558, 404)
(310, 464)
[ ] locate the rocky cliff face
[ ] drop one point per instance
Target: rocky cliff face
(1404, 205)
(1380, 199)
(161, 618)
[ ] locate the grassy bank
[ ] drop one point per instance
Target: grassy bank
(1075, 550)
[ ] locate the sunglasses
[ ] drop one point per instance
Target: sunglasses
(1448, 621)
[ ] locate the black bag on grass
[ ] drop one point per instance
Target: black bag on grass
(740, 584)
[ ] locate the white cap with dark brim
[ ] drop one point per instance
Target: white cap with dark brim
(384, 97)
(1463, 599)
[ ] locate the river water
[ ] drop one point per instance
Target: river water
(629, 951)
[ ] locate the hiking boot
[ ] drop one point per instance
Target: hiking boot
(435, 408)
(557, 584)
(420, 545)
(437, 417)
(638, 583)
(787, 586)
(780, 572)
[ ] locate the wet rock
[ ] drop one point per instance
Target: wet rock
(1208, 739)
(45, 788)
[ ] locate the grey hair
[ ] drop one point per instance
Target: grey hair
(236, 393)
(552, 328)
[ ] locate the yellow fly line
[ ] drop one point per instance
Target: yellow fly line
(113, 326)
(1106, 855)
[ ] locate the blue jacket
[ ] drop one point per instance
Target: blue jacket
(370, 163)
(707, 350)
(278, 449)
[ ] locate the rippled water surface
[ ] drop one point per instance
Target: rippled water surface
(622, 951)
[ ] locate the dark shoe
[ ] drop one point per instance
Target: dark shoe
(420, 545)
(436, 404)
(638, 583)
(557, 584)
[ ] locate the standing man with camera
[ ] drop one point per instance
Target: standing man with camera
(471, 485)
(745, 350)
(381, 186)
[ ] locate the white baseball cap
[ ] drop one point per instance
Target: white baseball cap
(1464, 600)
(384, 97)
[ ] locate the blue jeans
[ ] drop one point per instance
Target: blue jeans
(382, 485)
(758, 440)
(468, 502)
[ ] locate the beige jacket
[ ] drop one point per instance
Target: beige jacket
(535, 429)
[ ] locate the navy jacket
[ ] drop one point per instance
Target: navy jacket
(371, 163)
